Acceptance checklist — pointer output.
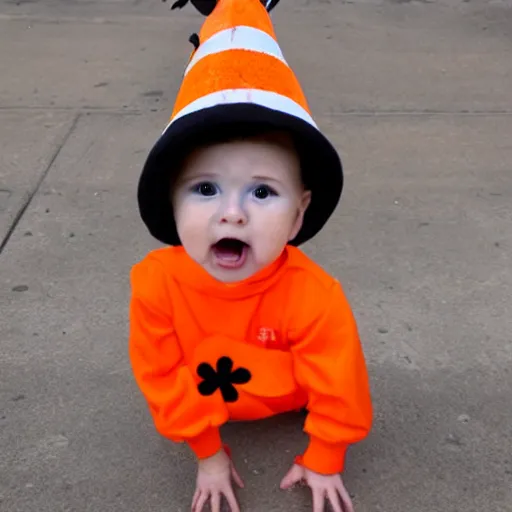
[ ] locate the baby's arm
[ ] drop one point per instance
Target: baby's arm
(179, 411)
(329, 364)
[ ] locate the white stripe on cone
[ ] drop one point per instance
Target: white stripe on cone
(266, 99)
(238, 38)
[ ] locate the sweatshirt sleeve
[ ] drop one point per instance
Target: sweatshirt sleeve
(329, 365)
(179, 411)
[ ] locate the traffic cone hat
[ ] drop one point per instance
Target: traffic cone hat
(238, 82)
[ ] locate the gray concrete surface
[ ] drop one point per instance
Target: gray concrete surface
(418, 98)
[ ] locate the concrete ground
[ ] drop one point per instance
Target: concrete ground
(418, 98)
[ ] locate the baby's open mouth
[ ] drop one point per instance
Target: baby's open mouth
(230, 252)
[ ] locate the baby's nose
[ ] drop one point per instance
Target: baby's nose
(233, 213)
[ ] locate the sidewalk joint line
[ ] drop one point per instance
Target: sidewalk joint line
(31, 194)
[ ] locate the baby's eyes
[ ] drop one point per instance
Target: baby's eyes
(209, 189)
(205, 188)
(264, 191)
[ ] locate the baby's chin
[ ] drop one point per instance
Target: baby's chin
(231, 279)
(232, 276)
(238, 276)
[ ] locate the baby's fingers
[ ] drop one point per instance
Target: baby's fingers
(199, 501)
(230, 497)
(236, 476)
(194, 499)
(215, 502)
(345, 498)
(318, 500)
(335, 500)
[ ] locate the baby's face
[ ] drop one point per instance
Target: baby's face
(238, 204)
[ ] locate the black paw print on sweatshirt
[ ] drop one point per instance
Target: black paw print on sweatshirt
(224, 379)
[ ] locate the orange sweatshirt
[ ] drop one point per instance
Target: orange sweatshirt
(204, 352)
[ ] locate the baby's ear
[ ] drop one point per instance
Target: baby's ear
(305, 200)
(304, 203)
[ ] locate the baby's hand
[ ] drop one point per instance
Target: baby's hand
(322, 487)
(214, 480)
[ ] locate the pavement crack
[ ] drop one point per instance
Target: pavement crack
(79, 110)
(420, 112)
(33, 192)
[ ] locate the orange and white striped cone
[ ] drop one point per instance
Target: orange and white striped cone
(237, 81)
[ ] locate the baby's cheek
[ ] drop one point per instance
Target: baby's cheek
(194, 211)
(190, 220)
(279, 218)
(272, 235)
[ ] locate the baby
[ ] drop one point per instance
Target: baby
(233, 321)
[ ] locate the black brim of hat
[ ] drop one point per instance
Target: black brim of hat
(320, 163)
